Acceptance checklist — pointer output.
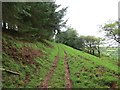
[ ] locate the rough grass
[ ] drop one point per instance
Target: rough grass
(86, 71)
(30, 75)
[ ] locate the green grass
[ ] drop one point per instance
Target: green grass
(58, 79)
(107, 62)
(46, 63)
(36, 75)
(86, 71)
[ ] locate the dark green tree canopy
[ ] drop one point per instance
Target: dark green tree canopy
(40, 19)
(90, 44)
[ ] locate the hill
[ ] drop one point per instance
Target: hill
(53, 65)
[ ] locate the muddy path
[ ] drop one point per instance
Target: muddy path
(67, 73)
(45, 82)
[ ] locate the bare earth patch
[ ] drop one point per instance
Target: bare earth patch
(26, 54)
(29, 54)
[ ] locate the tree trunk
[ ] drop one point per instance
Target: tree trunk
(99, 53)
(93, 52)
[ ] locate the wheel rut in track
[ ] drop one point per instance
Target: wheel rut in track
(45, 82)
(67, 73)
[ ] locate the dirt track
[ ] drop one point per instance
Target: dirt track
(49, 75)
(45, 83)
(67, 73)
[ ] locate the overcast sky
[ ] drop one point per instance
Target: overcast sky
(86, 15)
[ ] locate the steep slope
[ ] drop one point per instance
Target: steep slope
(53, 65)
(88, 71)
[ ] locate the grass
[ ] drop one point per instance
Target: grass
(90, 71)
(58, 79)
(107, 62)
(36, 74)
(86, 71)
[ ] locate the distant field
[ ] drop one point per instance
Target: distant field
(112, 52)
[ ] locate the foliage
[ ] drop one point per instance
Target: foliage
(68, 37)
(91, 44)
(112, 30)
(88, 44)
(39, 19)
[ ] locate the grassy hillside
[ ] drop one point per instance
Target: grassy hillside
(55, 65)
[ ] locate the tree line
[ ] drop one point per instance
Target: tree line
(44, 19)
(89, 44)
(38, 19)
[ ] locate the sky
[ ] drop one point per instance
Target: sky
(86, 15)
